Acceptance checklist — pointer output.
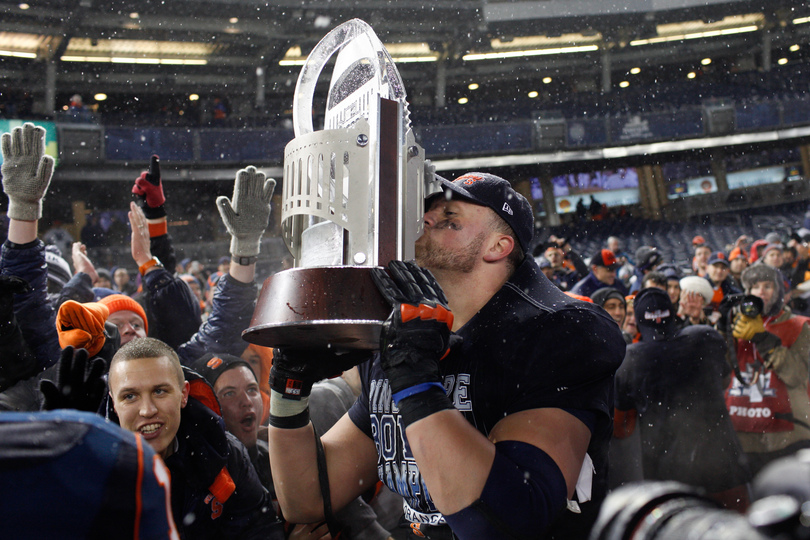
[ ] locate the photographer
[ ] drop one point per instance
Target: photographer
(767, 400)
(670, 388)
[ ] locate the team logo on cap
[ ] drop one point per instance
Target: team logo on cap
(658, 315)
(469, 179)
(508, 209)
(214, 363)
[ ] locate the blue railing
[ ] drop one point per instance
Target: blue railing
(266, 145)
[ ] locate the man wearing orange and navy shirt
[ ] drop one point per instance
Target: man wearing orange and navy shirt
(603, 274)
(718, 274)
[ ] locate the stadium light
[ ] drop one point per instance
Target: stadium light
(401, 53)
(18, 54)
(527, 53)
(696, 35)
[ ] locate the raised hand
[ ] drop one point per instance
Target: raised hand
(247, 214)
(26, 170)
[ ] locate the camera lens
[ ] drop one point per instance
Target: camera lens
(668, 511)
(751, 306)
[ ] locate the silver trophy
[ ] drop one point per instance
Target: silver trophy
(352, 198)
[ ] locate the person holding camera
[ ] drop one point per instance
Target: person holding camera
(670, 390)
(767, 399)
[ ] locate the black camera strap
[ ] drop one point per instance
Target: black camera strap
(790, 418)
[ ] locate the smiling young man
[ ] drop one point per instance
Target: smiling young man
(215, 490)
(483, 439)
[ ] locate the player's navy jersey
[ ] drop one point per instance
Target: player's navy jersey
(531, 346)
(70, 474)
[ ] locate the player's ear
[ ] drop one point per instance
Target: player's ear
(500, 247)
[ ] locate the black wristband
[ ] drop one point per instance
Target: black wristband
(27, 245)
(244, 261)
(290, 422)
(154, 213)
(423, 404)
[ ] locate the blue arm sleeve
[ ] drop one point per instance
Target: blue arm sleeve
(172, 309)
(523, 494)
(35, 315)
(233, 304)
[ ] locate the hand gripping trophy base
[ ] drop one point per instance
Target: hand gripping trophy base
(335, 307)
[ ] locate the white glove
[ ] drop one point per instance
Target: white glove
(247, 216)
(26, 171)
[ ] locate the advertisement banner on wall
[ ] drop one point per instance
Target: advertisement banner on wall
(692, 186)
(657, 126)
(612, 187)
(51, 147)
(619, 197)
(756, 177)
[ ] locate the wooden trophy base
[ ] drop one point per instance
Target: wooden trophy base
(335, 307)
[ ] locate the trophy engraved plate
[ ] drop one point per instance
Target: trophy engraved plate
(352, 198)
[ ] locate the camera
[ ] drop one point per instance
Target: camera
(747, 304)
(674, 511)
(751, 306)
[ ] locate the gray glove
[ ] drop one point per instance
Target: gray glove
(26, 171)
(247, 216)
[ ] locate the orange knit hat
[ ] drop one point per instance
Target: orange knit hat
(122, 302)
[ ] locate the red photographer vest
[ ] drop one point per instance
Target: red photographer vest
(764, 406)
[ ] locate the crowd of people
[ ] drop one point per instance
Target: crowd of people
(515, 384)
(714, 384)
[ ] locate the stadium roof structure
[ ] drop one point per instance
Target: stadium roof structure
(237, 46)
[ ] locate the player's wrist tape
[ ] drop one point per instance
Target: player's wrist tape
(288, 413)
(423, 404)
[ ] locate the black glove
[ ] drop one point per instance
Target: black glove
(79, 384)
(766, 342)
(294, 372)
(414, 338)
(148, 191)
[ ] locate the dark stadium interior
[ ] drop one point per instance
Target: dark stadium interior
(724, 90)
